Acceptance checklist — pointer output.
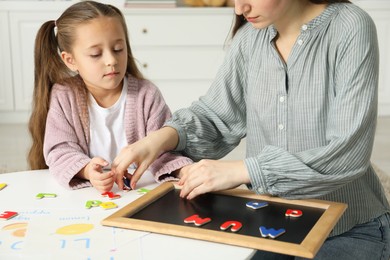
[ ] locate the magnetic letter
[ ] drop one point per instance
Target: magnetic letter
(45, 195)
(142, 191)
(235, 225)
(111, 195)
(197, 220)
(256, 205)
(272, 233)
(3, 185)
(296, 213)
(92, 203)
(108, 205)
(7, 215)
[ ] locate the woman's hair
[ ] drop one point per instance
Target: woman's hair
(52, 38)
(240, 20)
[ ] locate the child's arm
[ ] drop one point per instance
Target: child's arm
(65, 145)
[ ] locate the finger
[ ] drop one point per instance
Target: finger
(101, 176)
(105, 178)
(99, 161)
(195, 178)
(122, 161)
(189, 185)
(115, 162)
(187, 171)
(108, 187)
(199, 187)
(137, 175)
(96, 167)
(196, 192)
(121, 166)
(119, 179)
(183, 193)
(183, 179)
(190, 192)
(105, 184)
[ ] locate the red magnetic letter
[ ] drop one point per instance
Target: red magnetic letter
(197, 220)
(296, 213)
(235, 225)
(7, 215)
(111, 195)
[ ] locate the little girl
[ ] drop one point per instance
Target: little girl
(90, 100)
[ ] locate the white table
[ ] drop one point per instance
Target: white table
(63, 228)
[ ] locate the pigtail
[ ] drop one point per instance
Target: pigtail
(48, 69)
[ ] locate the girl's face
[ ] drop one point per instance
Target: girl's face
(262, 13)
(99, 54)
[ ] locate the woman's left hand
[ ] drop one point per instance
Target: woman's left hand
(211, 175)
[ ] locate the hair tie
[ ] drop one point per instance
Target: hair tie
(55, 28)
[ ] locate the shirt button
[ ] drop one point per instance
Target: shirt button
(281, 126)
(300, 42)
(304, 27)
(281, 99)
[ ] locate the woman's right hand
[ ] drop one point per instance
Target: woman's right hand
(143, 153)
(140, 153)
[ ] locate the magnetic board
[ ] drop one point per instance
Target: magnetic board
(163, 211)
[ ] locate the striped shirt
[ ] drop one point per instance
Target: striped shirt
(309, 122)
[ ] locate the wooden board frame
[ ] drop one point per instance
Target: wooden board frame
(307, 248)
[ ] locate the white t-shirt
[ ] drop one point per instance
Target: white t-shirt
(107, 130)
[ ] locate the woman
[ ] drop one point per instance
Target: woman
(300, 83)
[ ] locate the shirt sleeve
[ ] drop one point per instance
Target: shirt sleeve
(156, 113)
(65, 148)
(215, 124)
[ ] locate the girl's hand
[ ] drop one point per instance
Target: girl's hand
(93, 171)
(211, 175)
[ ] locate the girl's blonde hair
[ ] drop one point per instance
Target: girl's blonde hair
(52, 38)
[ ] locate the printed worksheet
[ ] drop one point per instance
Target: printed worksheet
(79, 236)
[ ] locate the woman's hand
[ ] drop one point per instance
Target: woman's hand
(211, 175)
(93, 171)
(143, 153)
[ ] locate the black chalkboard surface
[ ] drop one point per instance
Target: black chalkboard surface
(163, 211)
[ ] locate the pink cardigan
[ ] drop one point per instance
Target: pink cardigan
(67, 135)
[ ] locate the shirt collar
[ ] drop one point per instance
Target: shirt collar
(317, 22)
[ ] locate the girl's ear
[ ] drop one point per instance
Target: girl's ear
(69, 61)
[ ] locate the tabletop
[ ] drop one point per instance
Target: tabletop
(54, 223)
